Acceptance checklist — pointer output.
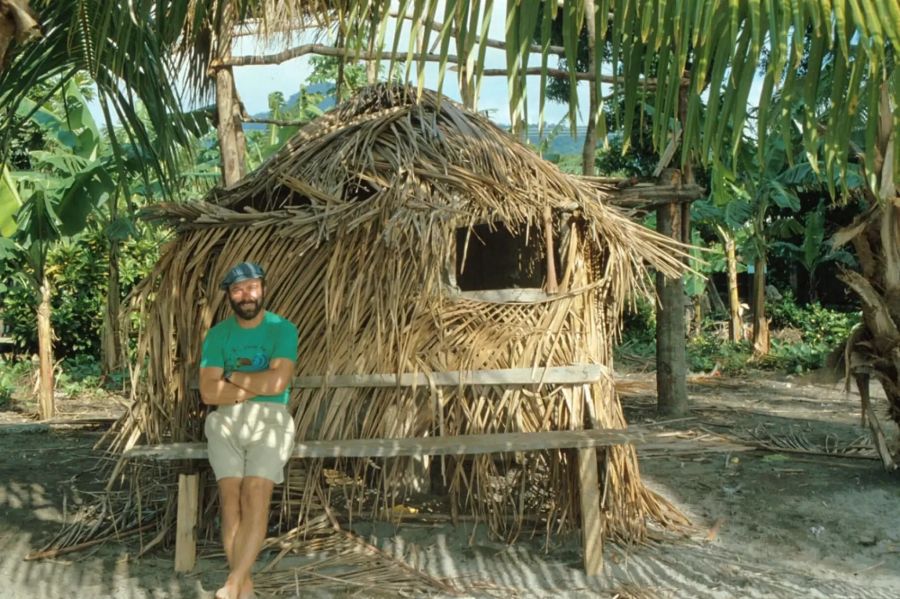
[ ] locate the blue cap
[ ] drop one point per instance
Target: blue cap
(242, 272)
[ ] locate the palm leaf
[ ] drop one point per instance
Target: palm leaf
(127, 58)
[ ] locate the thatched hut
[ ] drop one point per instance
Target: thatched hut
(405, 235)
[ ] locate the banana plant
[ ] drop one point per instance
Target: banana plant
(67, 182)
(747, 197)
(815, 249)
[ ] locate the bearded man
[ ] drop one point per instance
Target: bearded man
(246, 368)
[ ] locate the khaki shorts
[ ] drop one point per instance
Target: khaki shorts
(254, 438)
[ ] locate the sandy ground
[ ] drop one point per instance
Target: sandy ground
(787, 522)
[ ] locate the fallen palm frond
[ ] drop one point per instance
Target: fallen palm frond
(346, 562)
(795, 441)
(361, 222)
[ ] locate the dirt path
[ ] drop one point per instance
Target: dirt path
(770, 523)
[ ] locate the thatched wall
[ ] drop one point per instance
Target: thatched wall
(356, 222)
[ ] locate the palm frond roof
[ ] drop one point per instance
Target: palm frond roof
(410, 161)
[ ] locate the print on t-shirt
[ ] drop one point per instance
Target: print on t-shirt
(249, 358)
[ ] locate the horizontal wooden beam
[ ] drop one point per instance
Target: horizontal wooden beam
(553, 375)
(450, 445)
(505, 296)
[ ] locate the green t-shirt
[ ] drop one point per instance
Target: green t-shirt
(235, 349)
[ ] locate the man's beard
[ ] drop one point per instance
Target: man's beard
(247, 310)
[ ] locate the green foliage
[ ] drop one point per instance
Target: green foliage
(569, 163)
(795, 358)
(639, 322)
(708, 352)
(326, 69)
(6, 391)
(815, 249)
(638, 331)
(80, 375)
(77, 271)
(128, 57)
(13, 376)
(815, 332)
(638, 159)
(822, 330)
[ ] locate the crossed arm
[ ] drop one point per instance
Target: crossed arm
(243, 386)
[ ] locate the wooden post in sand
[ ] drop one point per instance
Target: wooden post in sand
(186, 524)
(588, 489)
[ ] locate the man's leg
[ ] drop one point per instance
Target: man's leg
(256, 495)
(230, 504)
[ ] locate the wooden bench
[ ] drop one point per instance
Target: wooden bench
(588, 440)
(585, 441)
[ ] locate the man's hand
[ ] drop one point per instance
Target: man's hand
(265, 382)
(215, 390)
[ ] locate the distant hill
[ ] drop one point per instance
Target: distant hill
(563, 142)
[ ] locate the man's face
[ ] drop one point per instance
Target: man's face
(246, 298)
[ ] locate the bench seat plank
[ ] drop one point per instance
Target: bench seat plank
(451, 445)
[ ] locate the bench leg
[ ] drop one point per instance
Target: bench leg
(588, 484)
(589, 491)
(186, 524)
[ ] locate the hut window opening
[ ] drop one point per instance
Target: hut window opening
(491, 257)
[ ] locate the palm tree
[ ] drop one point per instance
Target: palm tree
(697, 45)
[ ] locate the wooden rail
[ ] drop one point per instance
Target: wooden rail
(552, 375)
(418, 446)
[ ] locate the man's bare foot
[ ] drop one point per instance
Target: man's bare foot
(228, 592)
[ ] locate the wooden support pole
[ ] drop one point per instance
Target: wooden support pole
(185, 526)
(551, 286)
(671, 359)
(591, 524)
(588, 488)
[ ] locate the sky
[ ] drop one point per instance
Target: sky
(255, 83)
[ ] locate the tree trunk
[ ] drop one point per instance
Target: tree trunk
(697, 325)
(372, 65)
(736, 325)
(18, 25)
(760, 323)
(589, 150)
(231, 133)
(671, 361)
(228, 110)
(715, 300)
(112, 345)
(46, 404)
